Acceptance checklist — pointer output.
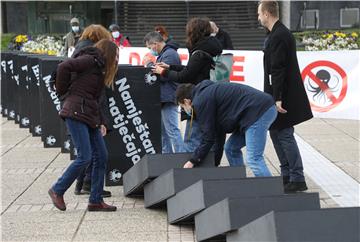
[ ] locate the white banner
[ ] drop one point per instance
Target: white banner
(331, 78)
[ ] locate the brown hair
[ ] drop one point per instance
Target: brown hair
(197, 29)
(162, 30)
(272, 7)
(109, 51)
(184, 91)
(95, 33)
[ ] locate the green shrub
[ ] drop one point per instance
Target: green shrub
(6, 39)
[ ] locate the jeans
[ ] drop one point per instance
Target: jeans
(91, 147)
(288, 153)
(192, 140)
(170, 132)
(255, 140)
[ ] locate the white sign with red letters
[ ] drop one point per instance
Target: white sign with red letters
(331, 78)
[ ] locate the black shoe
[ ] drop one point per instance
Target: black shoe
(86, 187)
(295, 187)
(286, 180)
(106, 193)
(78, 187)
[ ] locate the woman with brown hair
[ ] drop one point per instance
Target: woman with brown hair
(96, 67)
(91, 35)
(198, 37)
(202, 47)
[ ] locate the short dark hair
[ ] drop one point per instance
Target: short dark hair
(153, 37)
(184, 91)
(272, 7)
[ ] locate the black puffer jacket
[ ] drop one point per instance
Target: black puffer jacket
(84, 91)
(199, 64)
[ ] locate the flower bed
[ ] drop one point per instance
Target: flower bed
(314, 41)
(42, 44)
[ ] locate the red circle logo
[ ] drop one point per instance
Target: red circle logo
(326, 85)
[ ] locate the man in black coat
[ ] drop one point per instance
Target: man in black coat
(283, 81)
(222, 108)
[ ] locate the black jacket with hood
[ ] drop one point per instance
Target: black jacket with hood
(199, 64)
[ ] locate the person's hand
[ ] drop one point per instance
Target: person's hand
(188, 165)
(103, 130)
(157, 69)
(279, 107)
(147, 60)
(163, 65)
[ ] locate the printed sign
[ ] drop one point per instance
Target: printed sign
(135, 118)
(326, 85)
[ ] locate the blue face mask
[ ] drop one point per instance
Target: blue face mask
(154, 53)
(188, 112)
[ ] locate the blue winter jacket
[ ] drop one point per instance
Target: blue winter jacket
(169, 56)
(222, 108)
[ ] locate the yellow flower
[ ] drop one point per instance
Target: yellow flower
(21, 38)
(330, 36)
(354, 35)
(51, 52)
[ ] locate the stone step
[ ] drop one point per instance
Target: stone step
(184, 205)
(332, 224)
(175, 180)
(233, 213)
(153, 165)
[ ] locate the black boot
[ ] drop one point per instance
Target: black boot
(295, 187)
(86, 189)
(78, 187)
(286, 180)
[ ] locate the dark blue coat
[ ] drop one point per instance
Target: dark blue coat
(169, 56)
(222, 108)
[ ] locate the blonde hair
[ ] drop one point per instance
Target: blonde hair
(109, 52)
(95, 33)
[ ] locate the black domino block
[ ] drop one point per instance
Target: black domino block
(153, 165)
(184, 205)
(175, 180)
(233, 213)
(332, 224)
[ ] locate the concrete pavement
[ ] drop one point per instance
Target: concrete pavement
(28, 170)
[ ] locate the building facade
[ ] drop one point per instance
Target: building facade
(136, 18)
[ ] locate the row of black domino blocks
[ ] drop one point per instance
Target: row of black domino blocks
(227, 206)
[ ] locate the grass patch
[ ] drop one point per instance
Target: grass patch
(6, 39)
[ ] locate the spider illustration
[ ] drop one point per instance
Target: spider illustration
(319, 95)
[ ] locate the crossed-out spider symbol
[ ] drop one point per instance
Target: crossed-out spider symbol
(331, 82)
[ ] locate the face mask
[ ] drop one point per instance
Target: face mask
(154, 53)
(213, 34)
(188, 112)
(75, 28)
(115, 34)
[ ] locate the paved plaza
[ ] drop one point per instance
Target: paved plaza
(28, 170)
